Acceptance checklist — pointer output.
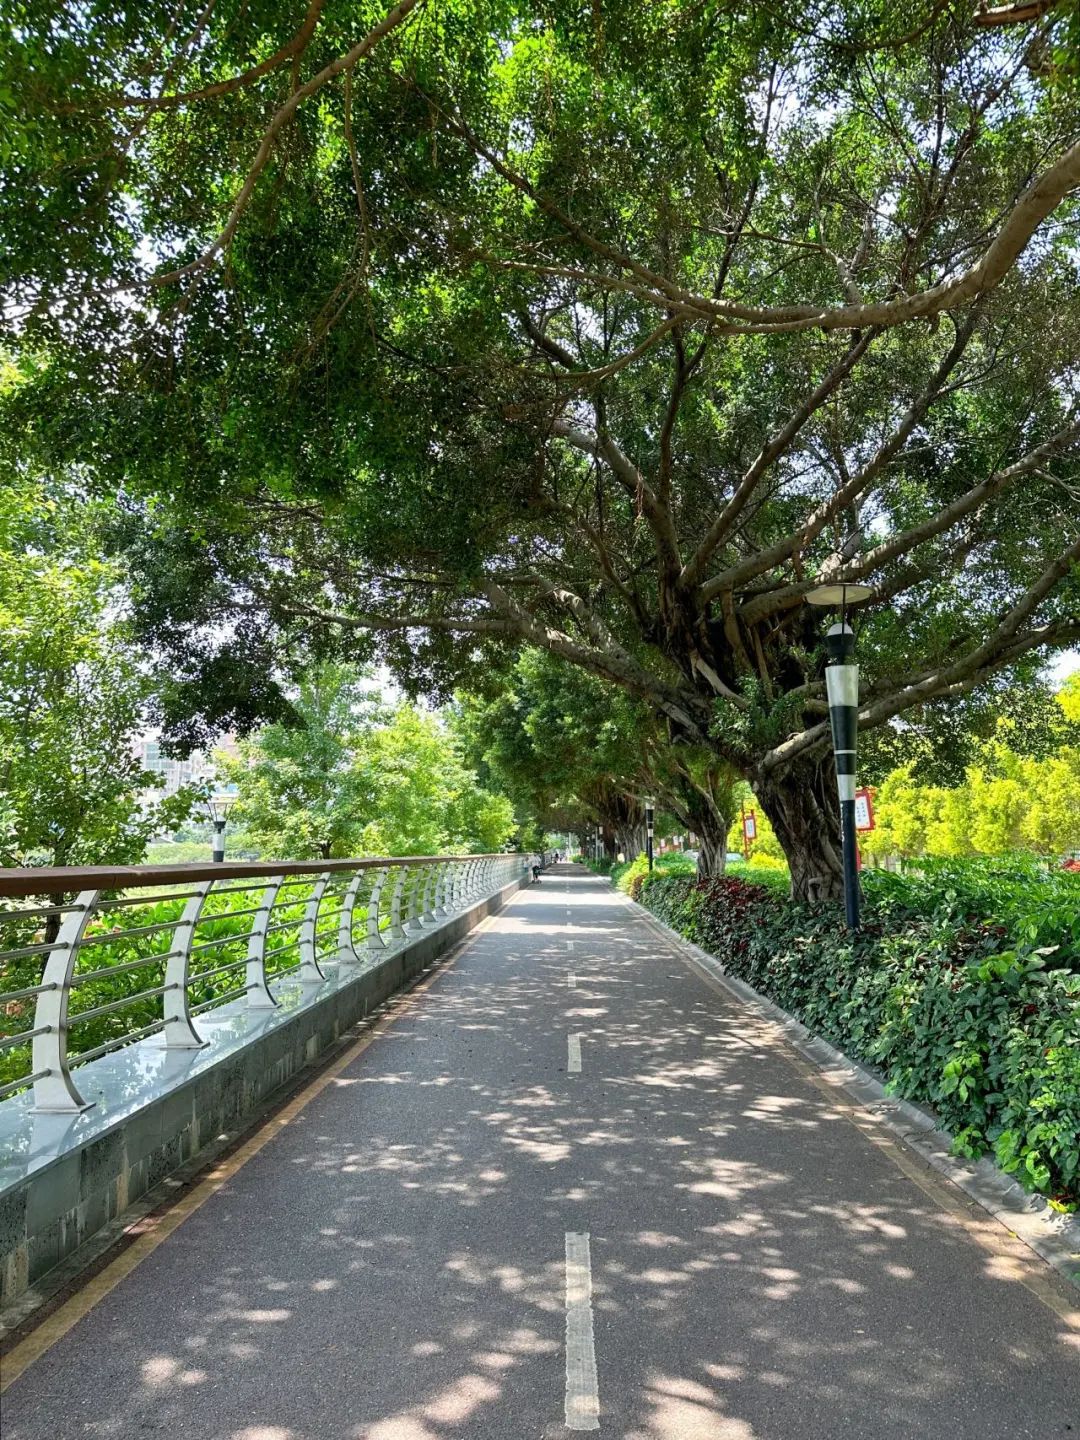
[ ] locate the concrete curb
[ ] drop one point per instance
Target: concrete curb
(1053, 1236)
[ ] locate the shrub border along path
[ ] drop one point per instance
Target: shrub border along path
(1055, 1237)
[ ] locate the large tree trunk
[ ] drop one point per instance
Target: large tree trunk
(632, 838)
(709, 827)
(712, 855)
(705, 805)
(802, 804)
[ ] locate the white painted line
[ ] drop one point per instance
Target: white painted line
(569, 944)
(571, 980)
(573, 1054)
(582, 1390)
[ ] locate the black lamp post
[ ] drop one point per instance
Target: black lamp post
(219, 804)
(842, 687)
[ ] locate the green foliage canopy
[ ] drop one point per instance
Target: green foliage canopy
(75, 694)
(352, 775)
(608, 329)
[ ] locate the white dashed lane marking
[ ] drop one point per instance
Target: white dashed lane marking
(582, 1388)
(573, 1054)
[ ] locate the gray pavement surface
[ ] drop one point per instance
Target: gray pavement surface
(392, 1266)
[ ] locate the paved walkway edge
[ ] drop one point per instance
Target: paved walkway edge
(1053, 1236)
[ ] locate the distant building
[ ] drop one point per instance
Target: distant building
(174, 774)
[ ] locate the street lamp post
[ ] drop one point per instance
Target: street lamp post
(649, 818)
(219, 804)
(842, 688)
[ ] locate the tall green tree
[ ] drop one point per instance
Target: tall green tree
(347, 774)
(306, 786)
(610, 329)
(429, 800)
(577, 752)
(75, 695)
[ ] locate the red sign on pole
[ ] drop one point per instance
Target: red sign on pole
(749, 826)
(864, 810)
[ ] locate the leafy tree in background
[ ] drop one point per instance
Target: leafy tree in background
(1069, 699)
(75, 694)
(608, 329)
(428, 799)
(567, 748)
(576, 752)
(943, 741)
(350, 775)
(306, 788)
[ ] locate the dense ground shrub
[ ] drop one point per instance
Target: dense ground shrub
(1038, 904)
(956, 1009)
(629, 875)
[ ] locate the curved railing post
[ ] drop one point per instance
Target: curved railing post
(54, 1089)
(397, 930)
(440, 888)
(418, 897)
(179, 1032)
(457, 891)
(427, 913)
(258, 991)
(346, 947)
(374, 934)
(310, 970)
(409, 898)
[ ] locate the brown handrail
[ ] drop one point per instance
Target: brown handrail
(51, 879)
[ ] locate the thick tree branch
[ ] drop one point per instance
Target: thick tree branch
(601, 446)
(769, 453)
(1006, 644)
(1021, 13)
(623, 670)
(909, 540)
(1035, 203)
(849, 492)
(281, 118)
(292, 49)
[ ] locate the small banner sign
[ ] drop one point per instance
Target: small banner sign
(864, 810)
(749, 826)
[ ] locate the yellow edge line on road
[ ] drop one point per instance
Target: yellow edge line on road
(156, 1229)
(991, 1234)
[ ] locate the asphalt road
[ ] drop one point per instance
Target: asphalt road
(465, 1236)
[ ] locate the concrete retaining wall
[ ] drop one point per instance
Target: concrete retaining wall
(63, 1200)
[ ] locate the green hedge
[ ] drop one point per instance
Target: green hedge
(956, 1010)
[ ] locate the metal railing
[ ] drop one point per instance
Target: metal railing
(145, 950)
